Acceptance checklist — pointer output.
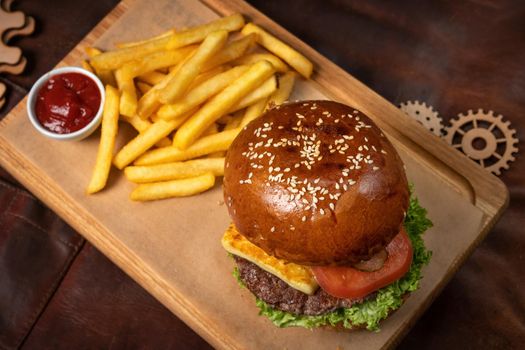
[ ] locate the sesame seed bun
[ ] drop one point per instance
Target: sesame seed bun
(315, 183)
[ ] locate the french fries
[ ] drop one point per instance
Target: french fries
(152, 78)
(201, 93)
(105, 75)
(107, 141)
(141, 42)
(144, 141)
(115, 59)
(173, 171)
(174, 188)
(128, 97)
(279, 65)
(280, 95)
(206, 145)
(177, 85)
(282, 50)
(221, 103)
(87, 66)
(157, 60)
(263, 91)
(254, 111)
(233, 51)
(143, 87)
(197, 34)
(286, 83)
(188, 94)
(142, 125)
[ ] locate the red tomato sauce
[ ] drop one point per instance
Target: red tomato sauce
(67, 102)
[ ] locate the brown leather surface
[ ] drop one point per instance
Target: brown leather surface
(36, 249)
(98, 306)
(453, 55)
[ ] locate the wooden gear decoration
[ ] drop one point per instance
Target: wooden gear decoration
(495, 151)
(425, 115)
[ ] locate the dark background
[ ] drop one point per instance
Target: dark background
(57, 291)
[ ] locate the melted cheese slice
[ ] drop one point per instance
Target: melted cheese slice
(296, 276)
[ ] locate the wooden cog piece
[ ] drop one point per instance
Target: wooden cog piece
(2, 94)
(484, 138)
(424, 115)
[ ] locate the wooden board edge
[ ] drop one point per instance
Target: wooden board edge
(98, 235)
(491, 194)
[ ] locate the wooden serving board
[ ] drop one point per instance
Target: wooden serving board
(172, 247)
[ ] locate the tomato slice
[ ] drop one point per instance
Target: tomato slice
(351, 283)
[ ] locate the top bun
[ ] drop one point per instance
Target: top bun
(315, 183)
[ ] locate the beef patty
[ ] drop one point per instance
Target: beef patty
(279, 295)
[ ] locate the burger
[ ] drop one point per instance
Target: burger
(324, 229)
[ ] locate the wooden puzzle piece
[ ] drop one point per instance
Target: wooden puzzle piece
(27, 29)
(10, 20)
(14, 69)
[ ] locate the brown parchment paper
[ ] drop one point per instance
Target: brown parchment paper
(179, 239)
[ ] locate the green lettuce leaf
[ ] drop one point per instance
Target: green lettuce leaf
(370, 312)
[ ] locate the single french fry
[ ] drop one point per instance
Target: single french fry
(157, 60)
(206, 145)
(136, 122)
(279, 65)
(173, 171)
(261, 92)
(173, 188)
(235, 121)
(151, 78)
(231, 52)
(128, 97)
(201, 93)
(203, 76)
(221, 103)
(212, 129)
(142, 125)
(143, 87)
(197, 34)
(87, 66)
(254, 111)
(283, 92)
(148, 104)
(92, 51)
(141, 42)
(145, 140)
(117, 58)
(190, 69)
(106, 76)
(282, 50)
(107, 141)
